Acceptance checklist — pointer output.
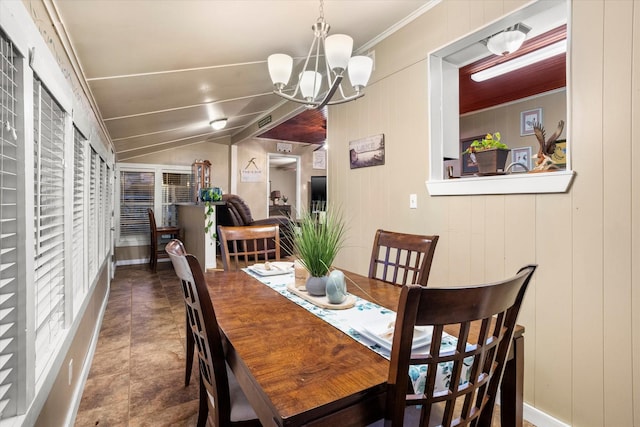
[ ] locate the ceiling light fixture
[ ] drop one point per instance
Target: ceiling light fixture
(337, 58)
(218, 124)
(508, 41)
(521, 61)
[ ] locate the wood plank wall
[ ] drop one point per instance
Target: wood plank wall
(581, 313)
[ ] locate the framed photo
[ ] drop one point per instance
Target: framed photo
(522, 156)
(468, 165)
(367, 152)
(320, 159)
(528, 119)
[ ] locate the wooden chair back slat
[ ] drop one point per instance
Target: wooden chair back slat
(247, 245)
(496, 307)
(401, 258)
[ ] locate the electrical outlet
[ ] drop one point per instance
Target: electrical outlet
(413, 201)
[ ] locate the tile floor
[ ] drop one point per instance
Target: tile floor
(137, 374)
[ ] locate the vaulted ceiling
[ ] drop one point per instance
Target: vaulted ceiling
(160, 70)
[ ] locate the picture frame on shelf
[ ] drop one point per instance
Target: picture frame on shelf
(522, 156)
(468, 165)
(559, 156)
(528, 119)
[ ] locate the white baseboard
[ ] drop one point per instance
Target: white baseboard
(123, 262)
(541, 419)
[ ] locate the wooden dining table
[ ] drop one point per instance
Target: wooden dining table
(296, 369)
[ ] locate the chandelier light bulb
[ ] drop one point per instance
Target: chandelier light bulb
(338, 48)
(310, 83)
(360, 68)
(280, 66)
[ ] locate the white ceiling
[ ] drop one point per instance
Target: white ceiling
(161, 70)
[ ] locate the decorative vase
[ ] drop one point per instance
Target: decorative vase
(336, 287)
(491, 161)
(317, 286)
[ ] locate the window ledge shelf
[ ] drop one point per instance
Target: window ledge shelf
(522, 183)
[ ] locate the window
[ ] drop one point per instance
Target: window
(55, 191)
(79, 279)
(8, 231)
(49, 222)
(93, 213)
(136, 196)
(143, 186)
(175, 189)
(444, 120)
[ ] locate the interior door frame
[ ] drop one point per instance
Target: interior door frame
(295, 208)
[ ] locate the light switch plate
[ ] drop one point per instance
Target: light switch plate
(413, 201)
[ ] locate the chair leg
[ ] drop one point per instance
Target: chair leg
(154, 257)
(203, 410)
(190, 349)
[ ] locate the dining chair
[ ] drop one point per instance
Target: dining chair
(222, 401)
(469, 401)
(155, 234)
(178, 248)
(246, 245)
(401, 258)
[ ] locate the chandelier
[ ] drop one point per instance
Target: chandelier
(337, 50)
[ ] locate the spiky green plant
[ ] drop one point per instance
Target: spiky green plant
(318, 239)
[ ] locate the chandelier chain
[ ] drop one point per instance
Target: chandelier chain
(322, 10)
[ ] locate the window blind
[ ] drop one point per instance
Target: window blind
(136, 195)
(108, 200)
(93, 215)
(8, 230)
(79, 279)
(48, 222)
(102, 209)
(175, 189)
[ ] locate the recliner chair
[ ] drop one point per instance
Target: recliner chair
(237, 213)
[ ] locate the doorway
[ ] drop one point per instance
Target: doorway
(284, 176)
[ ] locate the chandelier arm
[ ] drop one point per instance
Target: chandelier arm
(320, 40)
(347, 99)
(331, 92)
(304, 67)
(342, 92)
(309, 104)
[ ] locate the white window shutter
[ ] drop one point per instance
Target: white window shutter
(49, 277)
(9, 171)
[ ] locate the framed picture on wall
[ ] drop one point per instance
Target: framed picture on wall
(468, 164)
(522, 156)
(528, 119)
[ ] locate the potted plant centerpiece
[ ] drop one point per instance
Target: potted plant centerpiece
(315, 243)
(489, 153)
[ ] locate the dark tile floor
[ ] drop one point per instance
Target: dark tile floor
(137, 373)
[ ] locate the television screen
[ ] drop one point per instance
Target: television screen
(318, 190)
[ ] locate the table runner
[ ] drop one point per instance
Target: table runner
(362, 312)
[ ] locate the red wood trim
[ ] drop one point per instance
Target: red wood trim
(542, 77)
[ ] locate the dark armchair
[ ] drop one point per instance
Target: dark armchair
(236, 212)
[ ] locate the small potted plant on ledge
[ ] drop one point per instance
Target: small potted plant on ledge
(489, 153)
